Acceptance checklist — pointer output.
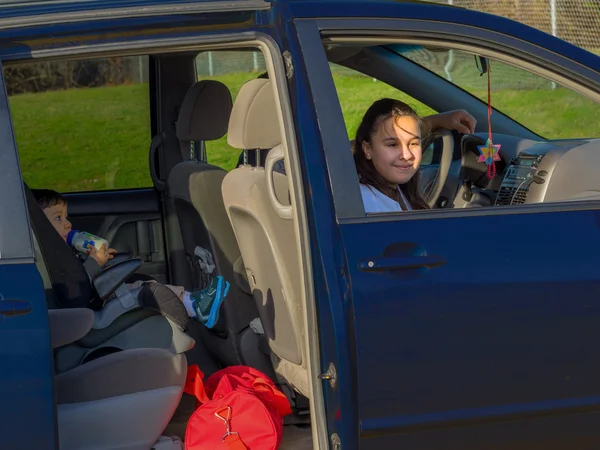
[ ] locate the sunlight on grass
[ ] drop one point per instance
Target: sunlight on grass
(98, 138)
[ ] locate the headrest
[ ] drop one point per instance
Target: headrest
(71, 286)
(253, 123)
(205, 111)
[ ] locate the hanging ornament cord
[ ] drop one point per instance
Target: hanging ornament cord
(491, 168)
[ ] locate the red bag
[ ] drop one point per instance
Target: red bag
(241, 409)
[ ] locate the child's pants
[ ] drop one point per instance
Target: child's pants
(177, 290)
(164, 298)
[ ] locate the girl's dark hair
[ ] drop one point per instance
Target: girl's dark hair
(48, 198)
(377, 113)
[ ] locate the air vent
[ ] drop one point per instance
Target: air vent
(510, 196)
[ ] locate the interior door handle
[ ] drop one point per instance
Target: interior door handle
(383, 263)
(9, 308)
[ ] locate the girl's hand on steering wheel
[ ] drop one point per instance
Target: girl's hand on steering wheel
(459, 120)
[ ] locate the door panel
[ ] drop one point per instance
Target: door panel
(503, 326)
(27, 412)
(545, 433)
(130, 220)
(27, 401)
(495, 348)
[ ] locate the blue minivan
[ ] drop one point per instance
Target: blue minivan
(470, 325)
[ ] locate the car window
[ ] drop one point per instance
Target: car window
(358, 91)
(546, 108)
(233, 68)
(82, 125)
(517, 170)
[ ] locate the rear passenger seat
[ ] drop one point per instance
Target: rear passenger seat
(120, 401)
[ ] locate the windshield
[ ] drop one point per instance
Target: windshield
(547, 109)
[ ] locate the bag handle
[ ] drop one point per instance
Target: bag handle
(234, 442)
(194, 385)
(278, 399)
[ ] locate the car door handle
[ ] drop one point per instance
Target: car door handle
(9, 308)
(383, 264)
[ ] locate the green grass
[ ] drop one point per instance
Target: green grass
(91, 139)
(84, 139)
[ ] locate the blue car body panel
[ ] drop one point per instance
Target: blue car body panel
(27, 410)
(495, 348)
(502, 332)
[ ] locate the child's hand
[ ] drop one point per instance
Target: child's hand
(111, 253)
(101, 255)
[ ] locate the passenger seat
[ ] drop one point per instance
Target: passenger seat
(258, 206)
(122, 401)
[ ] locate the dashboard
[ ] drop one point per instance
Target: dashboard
(530, 172)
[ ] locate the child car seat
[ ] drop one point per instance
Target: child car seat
(67, 285)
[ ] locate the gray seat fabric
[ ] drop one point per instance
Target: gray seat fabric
(195, 188)
(138, 328)
(204, 113)
(129, 372)
(69, 325)
(121, 401)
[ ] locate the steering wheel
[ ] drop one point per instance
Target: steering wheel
(434, 188)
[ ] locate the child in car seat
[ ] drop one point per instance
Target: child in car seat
(388, 153)
(174, 302)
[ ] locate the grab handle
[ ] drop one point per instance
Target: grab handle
(283, 211)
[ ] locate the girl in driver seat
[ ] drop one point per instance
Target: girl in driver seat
(388, 153)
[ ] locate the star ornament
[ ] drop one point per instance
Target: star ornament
(489, 153)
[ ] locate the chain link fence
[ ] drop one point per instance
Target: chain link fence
(209, 64)
(575, 21)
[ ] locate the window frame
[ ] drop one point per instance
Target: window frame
(344, 181)
(276, 67)
(16, 242)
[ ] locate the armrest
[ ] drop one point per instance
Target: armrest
(69, 325)
(118, 258)
(107, 281)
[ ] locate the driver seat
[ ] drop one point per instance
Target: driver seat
(258, 206)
